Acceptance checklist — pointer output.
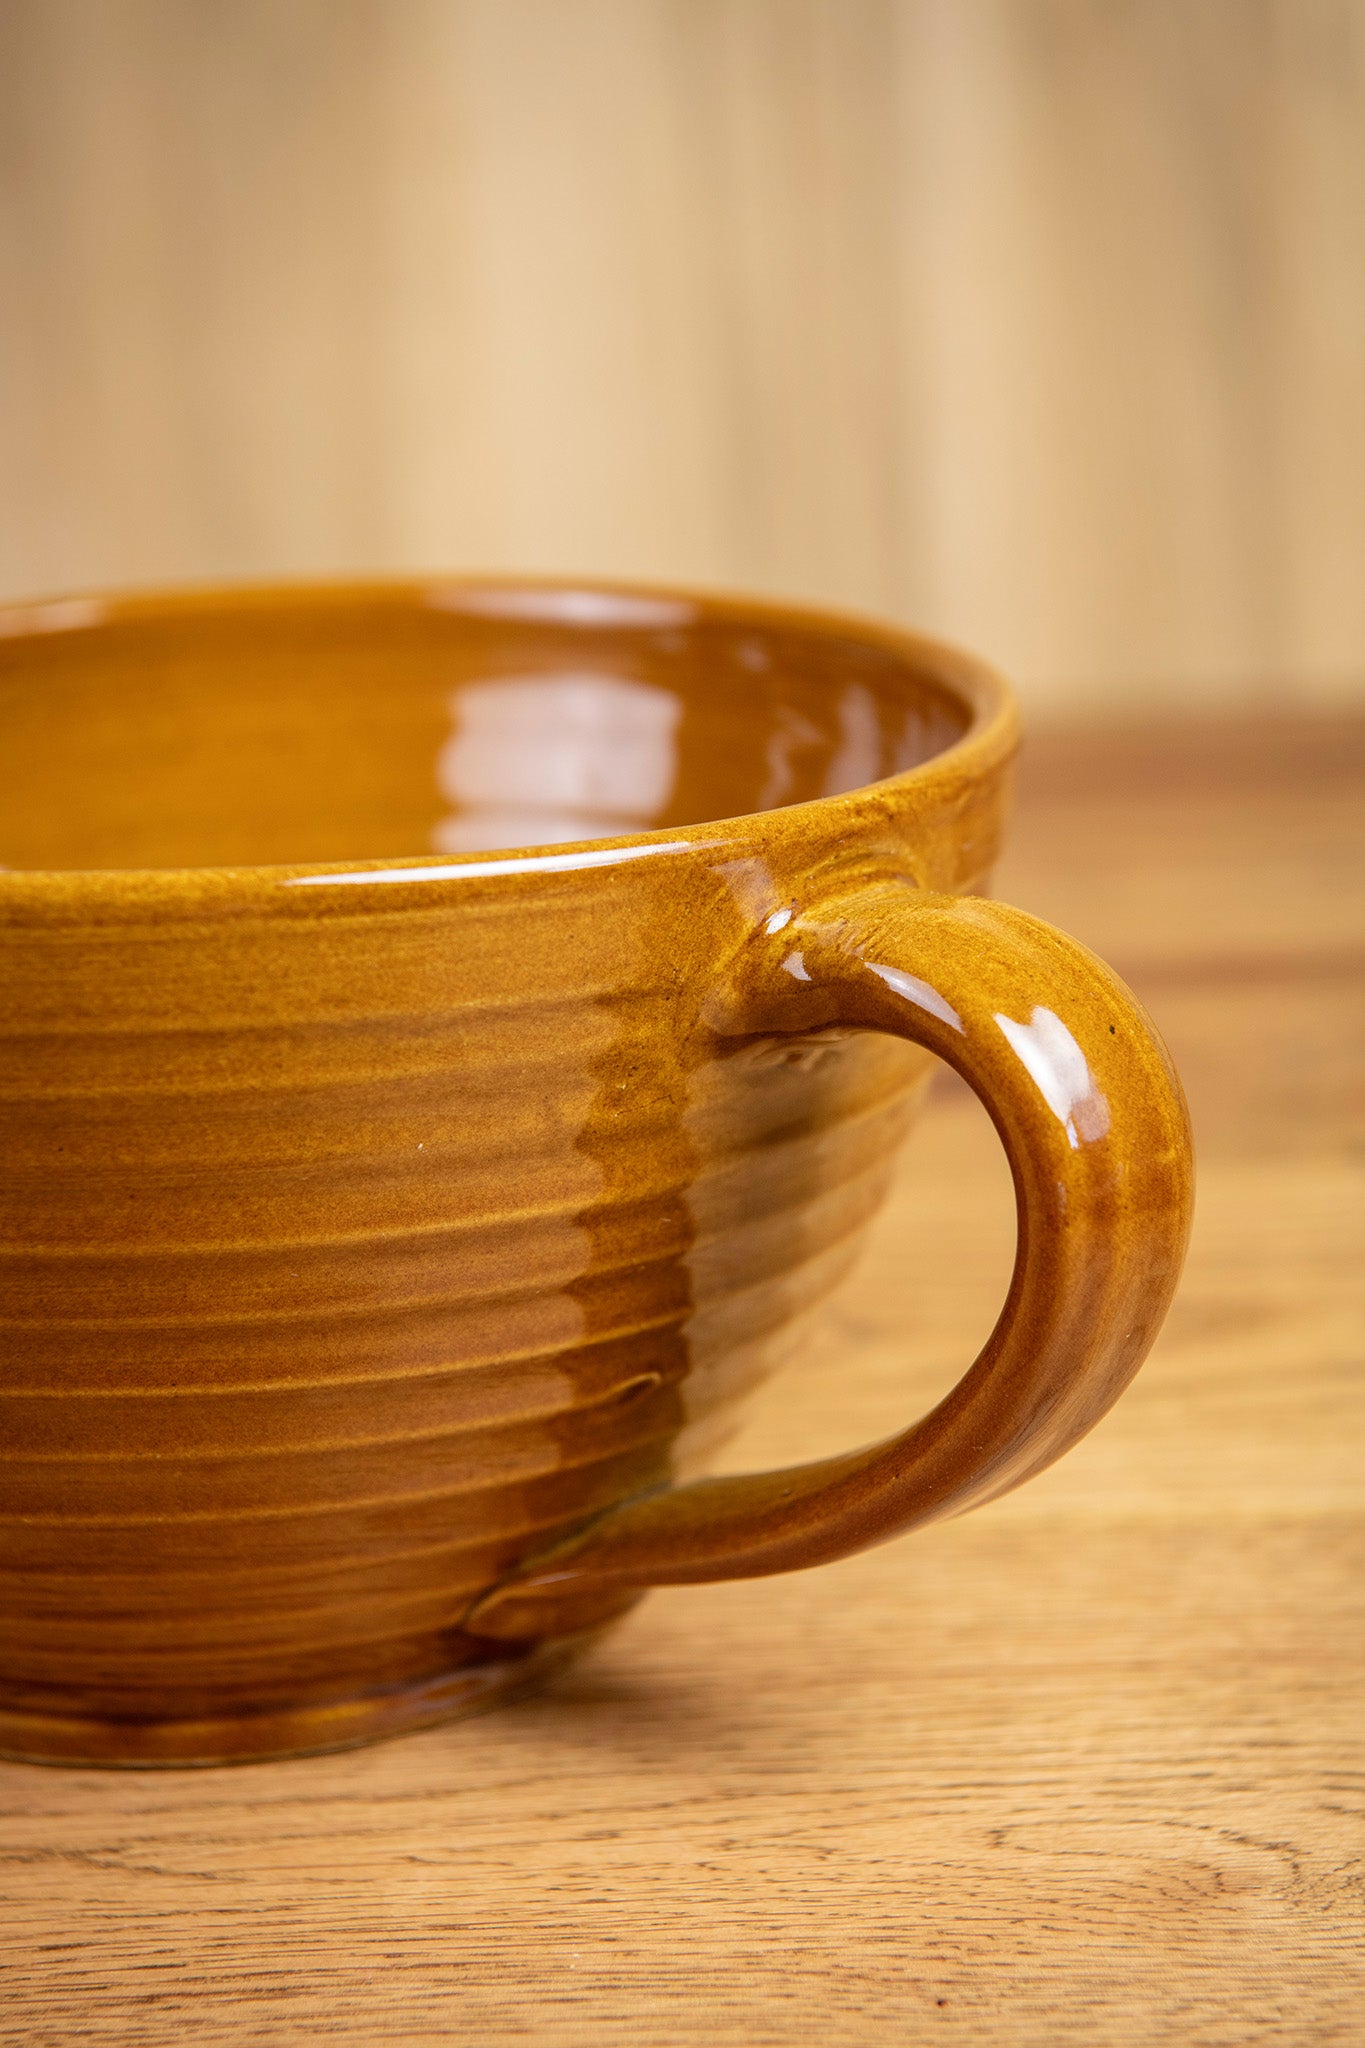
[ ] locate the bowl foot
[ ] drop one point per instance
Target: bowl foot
(100, 1741)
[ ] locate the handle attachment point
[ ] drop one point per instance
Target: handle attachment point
(1094, 1124)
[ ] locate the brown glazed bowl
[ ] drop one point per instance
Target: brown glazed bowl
(450, 1034)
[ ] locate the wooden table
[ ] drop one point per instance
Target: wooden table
(1084, 1767)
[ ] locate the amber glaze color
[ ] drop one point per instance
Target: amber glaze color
(394, 1213)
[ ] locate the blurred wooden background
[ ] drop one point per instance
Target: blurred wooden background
(1040, 322)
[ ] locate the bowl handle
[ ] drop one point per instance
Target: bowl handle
(1094, 1124)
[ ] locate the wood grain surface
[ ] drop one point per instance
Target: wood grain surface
(1082, 1768)
(1034, 322)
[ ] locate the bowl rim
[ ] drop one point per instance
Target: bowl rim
(986, 744)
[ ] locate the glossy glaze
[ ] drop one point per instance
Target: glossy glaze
(401, 1198)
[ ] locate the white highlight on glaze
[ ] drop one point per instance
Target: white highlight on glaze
(919, 993)
(751, 885)
(1059, 1068)
(537, 760)
(858, 758)
(796, 967)
(475, 870)
(793, 733)
(779, 921)
(62, 615)
(624, 608)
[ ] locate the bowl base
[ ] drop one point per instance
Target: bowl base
(102, 1742)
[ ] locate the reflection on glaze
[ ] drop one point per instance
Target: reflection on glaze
(750, 882)
(927, 728)
(475, 870)
(627, 609)
(793, 1137)
(62, 615)
(793, 733)
(542, 758)
(917, 992)
(856, 758)
(1058, 1065)
(859, 755)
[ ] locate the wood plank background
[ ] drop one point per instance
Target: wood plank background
(1041, 322)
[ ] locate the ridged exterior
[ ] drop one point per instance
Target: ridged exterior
(314, 1325)
(357, 1241)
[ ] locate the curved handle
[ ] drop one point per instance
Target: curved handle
(1094, 1124)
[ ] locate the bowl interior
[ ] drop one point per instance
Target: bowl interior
(254, 728)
